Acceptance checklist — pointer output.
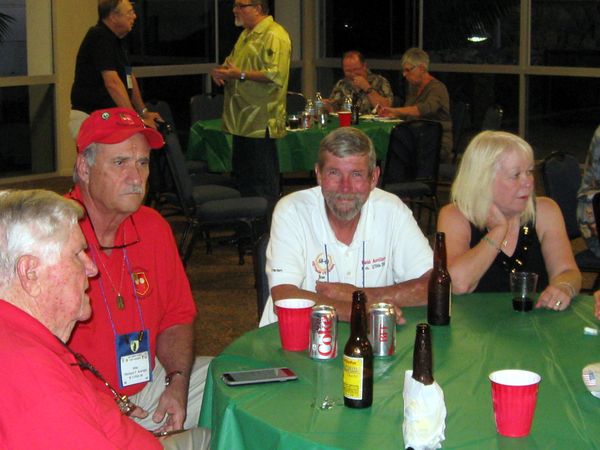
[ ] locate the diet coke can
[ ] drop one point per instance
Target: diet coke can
(323, 333)
(382, 330)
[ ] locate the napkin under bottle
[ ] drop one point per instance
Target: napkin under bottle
(424, 414)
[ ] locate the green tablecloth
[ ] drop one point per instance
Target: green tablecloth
(485, 335)
(297, 151)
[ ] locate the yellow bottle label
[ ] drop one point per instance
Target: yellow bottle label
(353, 377)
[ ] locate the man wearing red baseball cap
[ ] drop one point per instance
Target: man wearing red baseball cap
(140, 336)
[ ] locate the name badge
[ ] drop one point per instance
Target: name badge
(133, 358)
(129, 78)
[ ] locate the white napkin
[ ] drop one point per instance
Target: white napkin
(424, 414)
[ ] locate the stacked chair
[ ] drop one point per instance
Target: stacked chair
(206, 207)
(412, 164)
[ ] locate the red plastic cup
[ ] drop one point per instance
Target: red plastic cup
(294, 323)
(345, 118)
(514, 393)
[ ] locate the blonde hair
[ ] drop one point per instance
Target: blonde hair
(472, 190)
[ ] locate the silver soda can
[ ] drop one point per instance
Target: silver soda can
(323, 333)
(382, 329)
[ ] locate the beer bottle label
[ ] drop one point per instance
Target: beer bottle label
(353, 377)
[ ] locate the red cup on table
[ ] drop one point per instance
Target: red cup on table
(294, 323)
(345, 118)
(514, 394)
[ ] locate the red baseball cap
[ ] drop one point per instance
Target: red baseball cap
(113, 126)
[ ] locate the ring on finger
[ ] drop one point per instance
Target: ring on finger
(558, 303)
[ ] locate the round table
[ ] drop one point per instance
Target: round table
(485, 335)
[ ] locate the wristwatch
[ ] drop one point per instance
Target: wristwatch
(243, 77)
(170, 376)
(368, 91)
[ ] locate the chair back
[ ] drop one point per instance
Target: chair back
(413, 152)
(458, 112)
(260, 276)
(179, 173)
(164, 110)
(561, 176)
(207, 106)
(492, 119)
(296, 102)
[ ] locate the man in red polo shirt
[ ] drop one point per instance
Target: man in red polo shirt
(140, 336)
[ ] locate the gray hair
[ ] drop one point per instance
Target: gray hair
(105, 7)
(416, 57)
(346, 141)
(33, 222)
(264, 5)
(472, 189)
(90, 153)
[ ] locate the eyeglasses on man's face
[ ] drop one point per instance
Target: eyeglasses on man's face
(409, 69)
(241, 5)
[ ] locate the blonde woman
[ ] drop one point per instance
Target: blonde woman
(495, 224)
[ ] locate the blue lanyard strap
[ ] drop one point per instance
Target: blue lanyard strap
(112, 323)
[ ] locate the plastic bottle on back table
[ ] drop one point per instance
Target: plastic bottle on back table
(318, 104)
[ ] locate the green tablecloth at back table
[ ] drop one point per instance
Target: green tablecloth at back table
(297, 151)
(485, 335)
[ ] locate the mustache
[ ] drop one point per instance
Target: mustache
(132, 190)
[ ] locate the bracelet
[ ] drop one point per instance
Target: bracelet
(487, 239)
(170, 376)
(569, 285)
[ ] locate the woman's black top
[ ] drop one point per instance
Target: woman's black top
(527, 257)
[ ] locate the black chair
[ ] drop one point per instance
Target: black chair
(210, 207)
(412, 164)
(296, 102)
(159, 180)
(208, 106)
(261, 281)
(493, 118)
(459, 112)
(561, 176)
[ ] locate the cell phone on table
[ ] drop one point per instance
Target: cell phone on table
(258, 376)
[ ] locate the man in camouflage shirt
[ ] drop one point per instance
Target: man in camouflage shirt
(372, 89)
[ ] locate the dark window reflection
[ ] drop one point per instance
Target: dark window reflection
(565, 33)
(27, 130)
(382, 29)
(173, 32)
(472, 31)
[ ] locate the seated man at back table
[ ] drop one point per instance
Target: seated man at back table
(372, 89)
(346, 234)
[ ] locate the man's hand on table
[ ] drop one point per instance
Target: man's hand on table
(343, 292)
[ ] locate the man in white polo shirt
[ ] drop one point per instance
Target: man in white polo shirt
(345, 234)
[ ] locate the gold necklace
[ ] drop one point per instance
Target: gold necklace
(119, 299)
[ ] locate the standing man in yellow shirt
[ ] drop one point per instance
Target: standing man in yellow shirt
(255, 76)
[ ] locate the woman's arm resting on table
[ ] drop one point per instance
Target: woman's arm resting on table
(565, 278)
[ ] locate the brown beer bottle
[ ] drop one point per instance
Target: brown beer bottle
(439, 293)
(422, 359)
(358, 358)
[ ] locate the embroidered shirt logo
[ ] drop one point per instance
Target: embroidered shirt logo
(141, 283)
(323, 264)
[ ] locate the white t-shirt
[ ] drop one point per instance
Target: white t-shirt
(388, 246)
